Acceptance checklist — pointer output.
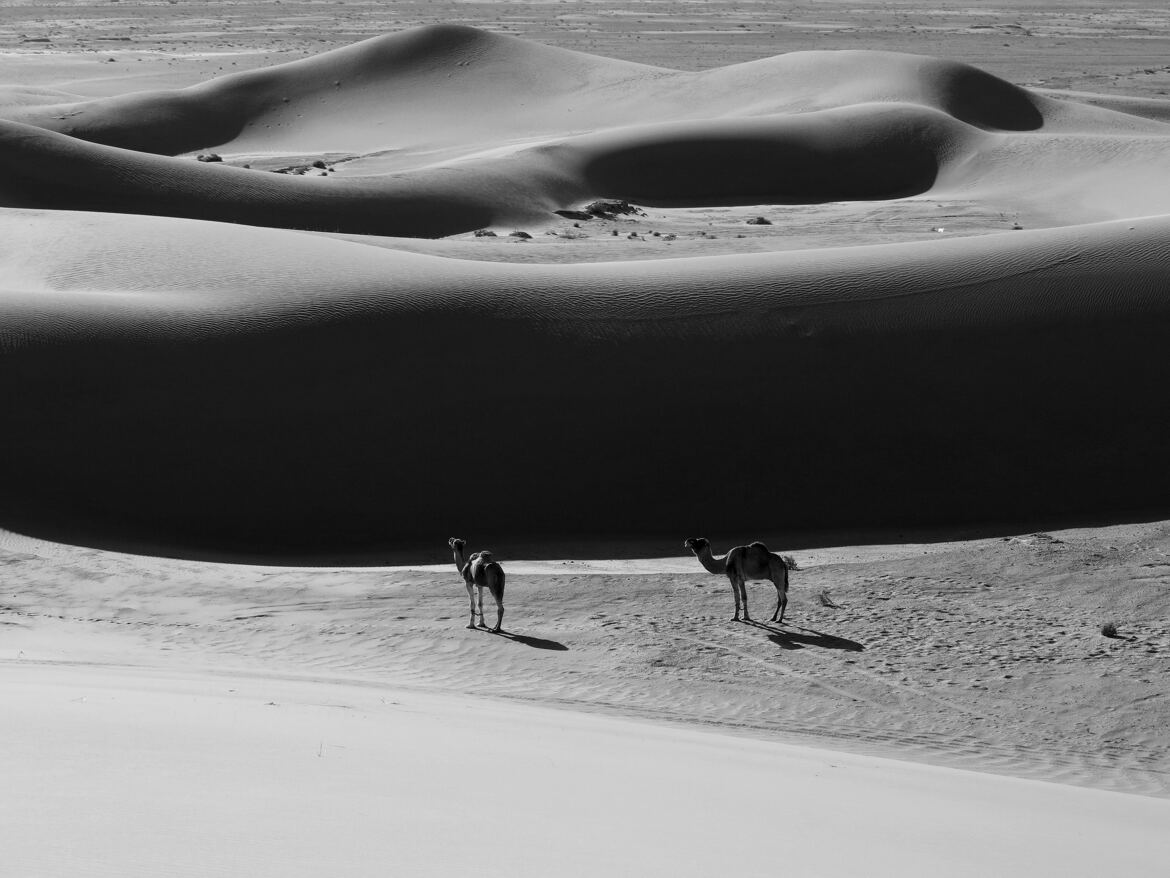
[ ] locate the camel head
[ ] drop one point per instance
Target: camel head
(696, 544)
(456, 543)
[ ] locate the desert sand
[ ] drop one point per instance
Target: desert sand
(289, 295)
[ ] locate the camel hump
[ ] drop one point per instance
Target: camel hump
(759, 546)
(480, 562)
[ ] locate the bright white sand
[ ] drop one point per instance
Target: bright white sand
(117, 772)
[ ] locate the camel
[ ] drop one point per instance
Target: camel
(745, 563)
(480, 571)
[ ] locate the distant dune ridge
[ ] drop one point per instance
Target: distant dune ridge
(454, 128)
(183, 382)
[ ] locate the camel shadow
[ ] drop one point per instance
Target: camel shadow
(795, 640)
(534, 642)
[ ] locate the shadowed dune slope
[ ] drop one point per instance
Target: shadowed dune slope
(864, 152)
(301, 392)
(869, 152)
(58, 172)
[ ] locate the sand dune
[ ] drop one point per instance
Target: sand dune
(450, 85)
(864, 154)
(249, 386)
(454, 86)
(294, 390)
(446, 129)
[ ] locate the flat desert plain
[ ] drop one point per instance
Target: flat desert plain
(290, 293)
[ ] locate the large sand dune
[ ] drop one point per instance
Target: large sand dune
(204, 382)
(214, 384)
(518, 121)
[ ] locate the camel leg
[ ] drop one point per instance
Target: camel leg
(736, 588)
(498, 594)
(482, 623)
(781, 582)
(784, 596)
(743, 594)
(471, 600)
(781, 604)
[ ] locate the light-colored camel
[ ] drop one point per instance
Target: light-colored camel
(480, 571)
(743, 564)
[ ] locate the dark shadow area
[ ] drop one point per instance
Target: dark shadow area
(534, 642)
(985, 101)
(786, 639)
(920, 411)
(834, 158)
(581, 546)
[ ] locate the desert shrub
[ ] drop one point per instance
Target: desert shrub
(1109, 629)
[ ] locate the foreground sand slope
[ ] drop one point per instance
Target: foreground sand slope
(200, 382)
(178, 717)
(154, 774)
(980, 654)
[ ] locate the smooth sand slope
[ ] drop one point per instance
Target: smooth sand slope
(155, 774)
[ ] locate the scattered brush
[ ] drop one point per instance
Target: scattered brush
(1109, 629)
(826, 600)
(790, 561)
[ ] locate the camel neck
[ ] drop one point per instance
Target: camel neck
(710, 562)
(460, 563)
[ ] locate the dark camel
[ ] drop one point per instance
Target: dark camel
(743, 564)
(480, 571)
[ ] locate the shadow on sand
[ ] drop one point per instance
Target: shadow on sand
(534, 642)
(803, 637)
